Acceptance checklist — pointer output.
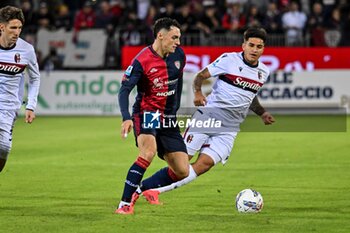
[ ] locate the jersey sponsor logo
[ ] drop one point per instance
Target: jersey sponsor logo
(158, 83)
(11, 69)
(153, 70)
(177, 64)
(17, 57)
(167, 93)
(241, 82)
(171, 82)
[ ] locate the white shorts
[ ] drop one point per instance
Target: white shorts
(218, 146)
(7, 120)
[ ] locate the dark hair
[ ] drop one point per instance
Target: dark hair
(164, 23)
(9, 13)
(255, 32)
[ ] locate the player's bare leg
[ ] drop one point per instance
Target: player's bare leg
(201, 166)
(178, 169)
(178, 162)
(5, 147)
(2, 164)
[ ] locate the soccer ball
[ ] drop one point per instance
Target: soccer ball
(249, 201)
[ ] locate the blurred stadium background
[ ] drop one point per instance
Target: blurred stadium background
(84, 46)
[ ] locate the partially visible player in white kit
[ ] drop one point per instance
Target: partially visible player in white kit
(239, 78)
(15, 55)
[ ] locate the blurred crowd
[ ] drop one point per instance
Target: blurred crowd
(298, 22)
(292, 18)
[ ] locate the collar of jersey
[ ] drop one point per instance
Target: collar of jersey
(3, 48)
(155, 53)
(247, 63)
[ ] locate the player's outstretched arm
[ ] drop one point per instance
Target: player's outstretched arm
(259, 110)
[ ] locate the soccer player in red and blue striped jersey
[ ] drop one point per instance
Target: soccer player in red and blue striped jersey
(157, 72)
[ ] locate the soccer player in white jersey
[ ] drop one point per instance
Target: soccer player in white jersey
(15, 55)
(239, 78)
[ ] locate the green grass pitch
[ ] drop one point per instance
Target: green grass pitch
(66, 174)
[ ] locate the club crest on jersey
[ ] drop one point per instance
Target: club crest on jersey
(240, 68)
(189, 138)
(17, 57)
(177, 64)
(259, 74)
(157, 83)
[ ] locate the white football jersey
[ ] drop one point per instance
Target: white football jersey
(13, 62)
(237, 82)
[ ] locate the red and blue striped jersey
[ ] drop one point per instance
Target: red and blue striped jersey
(158, 80)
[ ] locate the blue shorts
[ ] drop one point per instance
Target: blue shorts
(168, 139)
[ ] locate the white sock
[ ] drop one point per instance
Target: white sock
(191, 176)
(122, 203)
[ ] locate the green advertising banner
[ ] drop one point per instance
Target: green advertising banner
(86, 93)
(96, 92)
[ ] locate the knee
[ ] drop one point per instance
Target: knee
(182, 173)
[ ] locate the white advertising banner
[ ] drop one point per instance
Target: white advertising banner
(87, 52)
(87, 93)
(95, 92)
(320, 88)
(58, 40)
